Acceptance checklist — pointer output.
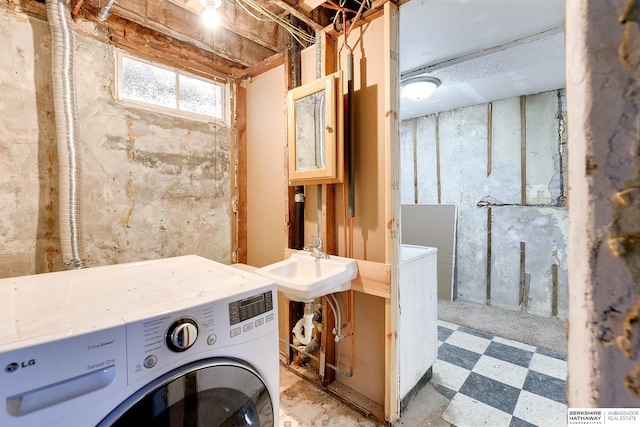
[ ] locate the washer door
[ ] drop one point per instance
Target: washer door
(213, 392)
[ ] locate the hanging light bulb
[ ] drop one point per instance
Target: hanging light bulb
(210, 14)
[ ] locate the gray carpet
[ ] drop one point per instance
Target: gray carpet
(545, 332)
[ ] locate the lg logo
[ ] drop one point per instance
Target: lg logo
(12, 367)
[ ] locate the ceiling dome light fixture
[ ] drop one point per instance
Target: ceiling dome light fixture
(210, 13)
(419, 88)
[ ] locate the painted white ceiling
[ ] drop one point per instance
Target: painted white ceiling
(481, 50)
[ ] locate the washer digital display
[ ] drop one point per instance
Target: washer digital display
(246, 308)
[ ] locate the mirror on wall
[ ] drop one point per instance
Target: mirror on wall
(315, 139)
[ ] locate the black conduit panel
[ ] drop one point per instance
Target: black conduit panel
(351, 138)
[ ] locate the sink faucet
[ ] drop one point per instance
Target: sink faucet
(315, 248)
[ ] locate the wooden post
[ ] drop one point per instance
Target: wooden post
(239, 152)
(392, 206)
(329, 232)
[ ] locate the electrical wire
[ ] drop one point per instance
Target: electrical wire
(302, 37)
(251, 14)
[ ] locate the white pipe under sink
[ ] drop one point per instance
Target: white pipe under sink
(305, 323)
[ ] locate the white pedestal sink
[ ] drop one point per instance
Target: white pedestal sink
(303, 277)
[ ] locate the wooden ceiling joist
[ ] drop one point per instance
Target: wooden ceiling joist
(236, 19)
(298, 13)
(245, 42)
(178, 23)
(266, 65)
(153, 46)
(309, 5)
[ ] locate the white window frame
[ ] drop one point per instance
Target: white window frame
(225, 120)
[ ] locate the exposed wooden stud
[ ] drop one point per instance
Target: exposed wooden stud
(391, 126)
(489, 226)
(523, 150)
(562, 141)
(489, 137)
(239, 151)
(321, 212)
(554, 285)
(521, 281)
(289, 233)
(328, 343)
(327, 58)
(328, 66)
(438, 158)
(390, 383)
(233, 171)
(392, 205)
(524, 279)
(415, 160)
(290, 196)
(328, 53)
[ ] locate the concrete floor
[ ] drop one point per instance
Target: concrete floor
(546, 332)
(302, 404)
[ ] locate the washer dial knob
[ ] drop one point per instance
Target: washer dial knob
(182, 334)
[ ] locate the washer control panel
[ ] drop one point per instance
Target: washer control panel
(163, 342)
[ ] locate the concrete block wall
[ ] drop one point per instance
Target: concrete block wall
(504, 165)
(153, 186)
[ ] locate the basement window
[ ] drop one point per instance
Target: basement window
(170, 91)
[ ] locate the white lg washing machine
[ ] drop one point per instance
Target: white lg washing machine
(181, 341)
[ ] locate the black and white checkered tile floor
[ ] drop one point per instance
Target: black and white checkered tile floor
(496, 382)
